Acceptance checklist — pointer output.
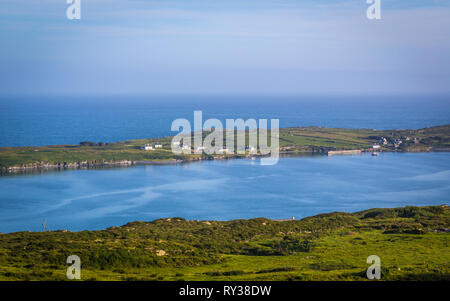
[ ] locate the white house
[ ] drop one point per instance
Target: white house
(147, 147)
(383, 141)
(223, 151)
(250, 148)
(176, 143)
(157, 145)
(376, 146)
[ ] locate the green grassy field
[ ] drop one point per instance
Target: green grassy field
(412, 242)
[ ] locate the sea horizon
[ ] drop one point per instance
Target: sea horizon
(113, 119)
(225, 140)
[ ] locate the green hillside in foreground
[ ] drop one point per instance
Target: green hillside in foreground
(299, 139)
(412, 242)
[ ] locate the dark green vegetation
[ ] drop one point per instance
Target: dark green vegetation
(308, 139)
(412, 242)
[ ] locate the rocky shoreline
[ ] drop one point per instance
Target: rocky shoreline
(43, 166)
(65, 165)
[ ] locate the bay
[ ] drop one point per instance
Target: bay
(222, 190)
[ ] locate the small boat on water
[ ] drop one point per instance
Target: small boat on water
(374, 154)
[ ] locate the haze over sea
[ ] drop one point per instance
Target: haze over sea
(46, 120)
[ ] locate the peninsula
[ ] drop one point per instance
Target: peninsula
(293, 141)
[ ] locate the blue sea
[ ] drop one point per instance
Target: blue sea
(50, 120)
(96, 199)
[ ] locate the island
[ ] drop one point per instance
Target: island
(293, 141)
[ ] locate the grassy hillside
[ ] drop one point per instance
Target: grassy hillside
(412, 242)
(309, 139)
(338, 139)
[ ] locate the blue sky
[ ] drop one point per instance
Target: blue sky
(226, 46)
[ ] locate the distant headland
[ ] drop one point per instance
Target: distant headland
(292, 141)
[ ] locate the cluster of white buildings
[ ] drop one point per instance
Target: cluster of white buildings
(396, 143)
(151, 147)
(224, 150)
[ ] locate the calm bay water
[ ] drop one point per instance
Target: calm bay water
(69, 120)
(95, 199)
(223, 190)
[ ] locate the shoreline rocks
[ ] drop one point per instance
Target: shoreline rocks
(65, 165)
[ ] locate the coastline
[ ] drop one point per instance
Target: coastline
(44, 167)
(292, 142)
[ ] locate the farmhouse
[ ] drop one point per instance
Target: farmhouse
(250, 148)
(147, 147)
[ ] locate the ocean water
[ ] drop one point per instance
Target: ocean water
(95, 199)
(222, 190)
(68, 120)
